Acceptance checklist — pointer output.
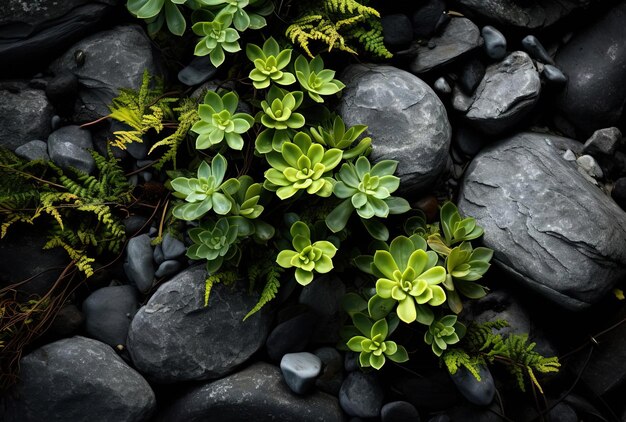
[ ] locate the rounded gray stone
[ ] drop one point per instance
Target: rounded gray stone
(24, 115)
(495, 42)
(361, 395)
(79, 380)
(33, 150)
(300, 371)
(258, 393)
(174, 337)
(405, 118)
(108, 313)
(480, 393)
(567, 247)
(68, 147)
(139, 266)
(172, 247)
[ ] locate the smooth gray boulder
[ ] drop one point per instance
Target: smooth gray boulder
(25, 115)
(33, 150)
(79, 380)
(459, 37)
(69, 147)
(507, 93)
(528, 14)
(258, 393)
(139, 267)
(113, 59)
(549, 227)
(108, 313)
(405, 118)
(174, 337)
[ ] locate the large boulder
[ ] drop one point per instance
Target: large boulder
(113, 59)
(176, 338)
(79, 380)
(31, 32)
(405, 118)
(25, 115)
(506, 94)
(595, 64)
(526, 14)
(549, 227)
(257, 393)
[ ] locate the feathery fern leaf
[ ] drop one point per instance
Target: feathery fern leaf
(269, 291)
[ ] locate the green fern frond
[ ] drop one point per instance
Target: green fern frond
(187, 116)
(83, 262)
(455, 358)
(269, 291)
(226, 277)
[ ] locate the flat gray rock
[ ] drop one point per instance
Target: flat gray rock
(258, 393)
(114, 59)
(176, 338)
(458, 37)
(68, 147)
(529, 14)
(25, 115)
(549, 227)
(80, 380)
(405, 118)
(33, 150)
(508, 92)
(139, 267)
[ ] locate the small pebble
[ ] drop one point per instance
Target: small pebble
(300, 371)
(139, 267)
(569, 155)
(55, 122)
(167, 268)
(158, 255)
(536, 50)
(495, 42)
(590, 166)
(399, 411)
(172, 247)
(603, 142)
(472, 73)
(441, 85)
(554, 75)
(33, 150)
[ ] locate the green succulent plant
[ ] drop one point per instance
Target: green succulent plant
(409, 275)
(279, 117)
(246, 210)
(373, 346)
(269, 63)
(157, 12)
(367, 190)
(219, 121)
(217, 37)
(301, 165)
(316, 80)
(338, 137)
(215, 242)
(204, 193)
(307, 257)
(465, 265)
(242, 17)
(455, 229)
(443, 332)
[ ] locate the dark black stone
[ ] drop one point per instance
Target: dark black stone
(361, 395)
(133, 224)
(469, 141)
(480, 393)
(619, 192)
(66, 322)
(471, 74)
(62, 91)
(426, 17)
(397, 30)
(554, 75)
(399, 411)
(331, 377)
(495, 42)
(536, 50)
(436, 392)
(290, 336)
(108, 313)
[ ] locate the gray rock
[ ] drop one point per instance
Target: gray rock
(176, 338)
(554, 75)
(361, 395)
(78, 379)
(172, 247)
(300, 371)
(55, 122)
(258, 393)
(595, 64)
(33, 150)
(290, 336)
(569, 155)
(24, 115)
(108, 312)
(167, 268)
(331, 377)
(603, 142)
(139, 267)
(407, 122)
(590, 166)
(399, 411)
(536, 50)
(480, 393)
(471, 74)
(495, 42)
(618, 193)
(460, 100)
(157, 254)
(441, 85)
(68, 147)
(570, 251)
(33, 32)
(426, 17)
(507, 93)
(459, 37)
(522, 13)
(199, 70)
(397, 30)
(114, 59)
(324, 298)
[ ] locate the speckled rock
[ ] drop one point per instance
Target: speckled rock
(406, 119)
(174, 337)
(25, 115)
(570, 251)
(258, 393)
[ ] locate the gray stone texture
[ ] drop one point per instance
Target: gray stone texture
(79, 380)
(549, 227)
(25, 115)
(406, 119)
(114, 59)
(174, 337)
(68, 147)
(258, 393)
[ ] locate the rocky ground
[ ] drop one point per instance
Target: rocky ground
(514, 107)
